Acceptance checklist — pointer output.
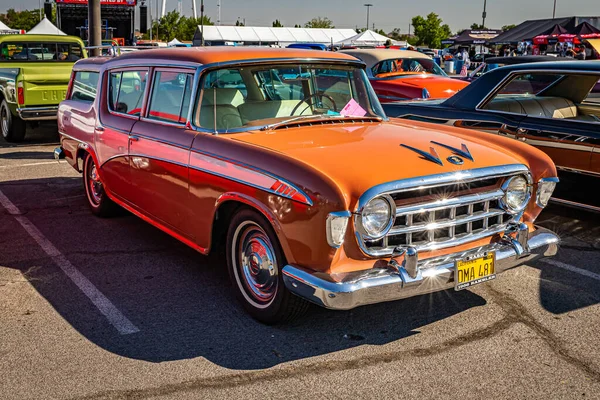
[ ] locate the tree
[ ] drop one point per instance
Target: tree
(239, 23)
(187, 27)
(396, 34)
(430, 31)
(297, 26)
(26, 19)
(508, 27)
(277, 24)
(478, 27)
(173, 25)
(318, 22)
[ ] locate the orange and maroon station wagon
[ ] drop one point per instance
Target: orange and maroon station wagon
(286, 158)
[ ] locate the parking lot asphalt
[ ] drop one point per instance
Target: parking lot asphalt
(114, 308)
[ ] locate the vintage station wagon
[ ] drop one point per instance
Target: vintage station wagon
(287, 160)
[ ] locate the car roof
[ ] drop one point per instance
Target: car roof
(39, 38)
(221, 54)
(523, 59)
(470, 96)
(372, 57)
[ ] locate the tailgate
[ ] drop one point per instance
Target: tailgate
(45, 84)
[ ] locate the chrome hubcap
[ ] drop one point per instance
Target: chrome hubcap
(95, 185)
(257, 263)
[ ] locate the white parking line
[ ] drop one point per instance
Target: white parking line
(108, 309)
(33, 164)
(571, 268)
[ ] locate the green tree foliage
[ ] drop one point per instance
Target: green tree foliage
(277, 24)
(508, 27)
(239, 23)
(430, 31)
(318, 22)
(173, 25)
(396, 34)
(26, 19)
(478, 27)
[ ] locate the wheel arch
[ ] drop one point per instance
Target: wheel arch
(228, 204)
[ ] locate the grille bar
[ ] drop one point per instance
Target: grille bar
(447, 223)
(446, 203)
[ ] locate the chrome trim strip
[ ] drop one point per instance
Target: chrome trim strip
(574, 204)
(588, 148)
(307, 201)
(376, 284)
(463, 151)
(33, 113)
(577, 171)
(431, 156)
(446, 178)
(455, 201)
(155, 158)
(161, 141)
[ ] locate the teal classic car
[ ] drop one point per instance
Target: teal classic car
(34, 76)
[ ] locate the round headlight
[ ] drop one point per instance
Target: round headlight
(516, 194)
(378, 216)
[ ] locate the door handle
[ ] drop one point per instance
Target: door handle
(134, 138)
(99, 129)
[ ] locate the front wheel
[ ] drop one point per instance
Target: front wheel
(98, 201)
(13, 128)
(255, 261)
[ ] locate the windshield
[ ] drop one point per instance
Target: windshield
(258, 96)
(406, 66)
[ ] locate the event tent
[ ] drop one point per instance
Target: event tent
(530, 29)
(45, 27)
(6, 30)
(470, 37)
(249, 35)
(367, 38)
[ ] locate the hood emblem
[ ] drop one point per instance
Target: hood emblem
(431, 156)
(456, 159)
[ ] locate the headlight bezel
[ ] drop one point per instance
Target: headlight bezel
(390, 223)
(552, 181)
(505, 188)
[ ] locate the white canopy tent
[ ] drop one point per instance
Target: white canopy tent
(218, 35)
(45, 27)
(368, 38)
(6, 30)
(174, 42)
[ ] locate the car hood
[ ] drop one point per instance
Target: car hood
(437, 86)
(358, 156)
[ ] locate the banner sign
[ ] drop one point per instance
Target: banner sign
(102, 2)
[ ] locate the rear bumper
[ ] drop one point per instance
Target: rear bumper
(386, 284)
(37, 113)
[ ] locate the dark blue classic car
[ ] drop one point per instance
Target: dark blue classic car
(554, 106)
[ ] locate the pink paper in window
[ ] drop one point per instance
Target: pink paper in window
(353, 109)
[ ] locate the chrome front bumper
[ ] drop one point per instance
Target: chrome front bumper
(399, 281)
(37, 113)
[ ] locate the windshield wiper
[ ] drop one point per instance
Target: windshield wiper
(315, 117)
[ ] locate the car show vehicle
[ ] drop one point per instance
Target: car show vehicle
(552, 106)
(490, 63)
(405, 75)
(315, 195)
(34, 75)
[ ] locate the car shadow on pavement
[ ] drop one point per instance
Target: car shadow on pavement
(27, 155)
(45, 133)
(181, 302)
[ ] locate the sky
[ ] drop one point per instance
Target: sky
(385, 14)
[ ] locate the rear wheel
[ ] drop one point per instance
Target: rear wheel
(255, 261)
(13, 128)
(98, 201)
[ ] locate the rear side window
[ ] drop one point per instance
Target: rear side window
(126, 91)
(84, 86)
(40, 51)
(171, 93)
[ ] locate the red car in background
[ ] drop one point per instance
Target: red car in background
(406, 75)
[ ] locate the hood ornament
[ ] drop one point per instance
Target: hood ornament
(434, 157)
(463, 151)
(431, 156)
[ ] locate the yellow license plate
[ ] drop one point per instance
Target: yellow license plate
(474, 270)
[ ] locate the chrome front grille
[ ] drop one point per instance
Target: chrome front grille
(445, 214)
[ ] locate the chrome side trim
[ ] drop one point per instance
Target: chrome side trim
(574, 204)
(431, 156)
(376, 285)
(141, 155)
(234, 164)
(577, 171)
(463, 151)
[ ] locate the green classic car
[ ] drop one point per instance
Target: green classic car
(34, 75)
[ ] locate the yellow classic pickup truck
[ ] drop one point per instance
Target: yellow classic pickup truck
(34, 76)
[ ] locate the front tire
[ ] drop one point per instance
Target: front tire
(13, 128)
(97, 199)
(255, 262)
